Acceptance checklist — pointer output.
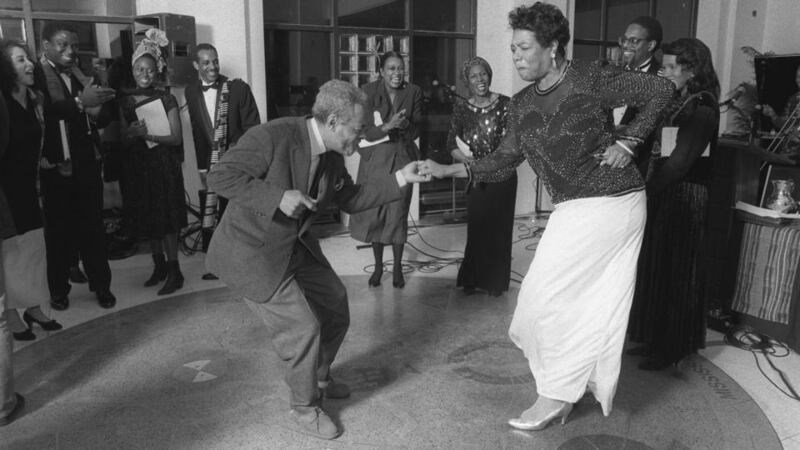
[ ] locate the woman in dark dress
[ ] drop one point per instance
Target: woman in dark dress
(158, 207)
(668, 314)
(24, 255)
(394, 109)
(477, 126)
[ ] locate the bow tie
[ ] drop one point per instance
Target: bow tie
(210, 86)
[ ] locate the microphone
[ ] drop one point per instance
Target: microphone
(738, 92)
(448, 89)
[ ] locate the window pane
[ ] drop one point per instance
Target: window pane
(587, 19)
(91, 7)
(309, 12)
(675, 18)
(372, 13)
(621, 12)
(443, 15)
(13, 29)
(436, 64)
(586, 51)
(298, 62)
(11, 4)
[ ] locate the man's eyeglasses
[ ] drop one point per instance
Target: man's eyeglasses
(631, 41)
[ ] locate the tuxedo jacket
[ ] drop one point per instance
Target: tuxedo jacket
(242, 115)
(254, 241)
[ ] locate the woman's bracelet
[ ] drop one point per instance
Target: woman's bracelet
(625, 146)
(469, 173)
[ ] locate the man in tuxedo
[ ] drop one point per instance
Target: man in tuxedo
(276, 177)
(70, 177)
(639, 44)
(220, 111)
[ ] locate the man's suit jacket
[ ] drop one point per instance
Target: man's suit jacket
(254, 241)
(242, 115)
(81, 132)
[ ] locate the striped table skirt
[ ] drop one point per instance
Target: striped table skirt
(768, 262)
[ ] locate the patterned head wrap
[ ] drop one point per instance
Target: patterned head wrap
(151, 45)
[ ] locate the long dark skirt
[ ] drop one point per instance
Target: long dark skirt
(490, 219)
(158, 200)
(668, 310)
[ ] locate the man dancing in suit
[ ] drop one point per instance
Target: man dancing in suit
(220, 111)
(71, 185)
(276, 177)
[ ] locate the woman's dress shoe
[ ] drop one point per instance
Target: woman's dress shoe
(398, 281)
(375, 279)
(26, 335)
(522, 424)
(50, 325)
(159, 270)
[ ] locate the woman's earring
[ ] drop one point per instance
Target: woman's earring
(553, 58)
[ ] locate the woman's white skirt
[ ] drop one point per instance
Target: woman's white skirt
(572, 310)
(25, 270)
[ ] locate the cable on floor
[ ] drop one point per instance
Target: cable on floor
(748, 338)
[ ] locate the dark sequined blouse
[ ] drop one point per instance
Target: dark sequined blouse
(480, 128)
(562, 132)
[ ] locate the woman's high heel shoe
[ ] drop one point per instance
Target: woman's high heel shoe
(50, 325)
(522, 424)
(398, 281)
(375, 279)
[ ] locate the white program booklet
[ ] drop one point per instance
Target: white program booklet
(669, 139)
(378, 122)
(155, 117)
(464, 147)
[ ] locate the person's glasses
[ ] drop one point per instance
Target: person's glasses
(631, 41)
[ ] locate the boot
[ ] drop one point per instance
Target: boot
(174, 279)
(159, 270)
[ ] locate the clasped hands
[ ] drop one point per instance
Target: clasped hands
(295, 203)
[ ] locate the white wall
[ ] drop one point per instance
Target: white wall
(237, 31)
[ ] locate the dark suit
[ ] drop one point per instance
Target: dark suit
(72, 204)
(387, 224)
(270, 258)
(642, 159)
(242, 115)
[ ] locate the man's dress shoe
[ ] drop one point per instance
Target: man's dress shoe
(105, 298)
(14, 412)
(313, 421)
(333, 390)
(59, 302)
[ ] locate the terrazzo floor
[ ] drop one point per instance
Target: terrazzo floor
(429, 367)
